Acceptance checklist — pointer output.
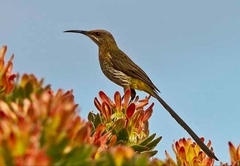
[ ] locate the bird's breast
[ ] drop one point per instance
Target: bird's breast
(111, 72)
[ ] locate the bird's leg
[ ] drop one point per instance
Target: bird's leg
(122, 98)
(133, 94)
(124, 90)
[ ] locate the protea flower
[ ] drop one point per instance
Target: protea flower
(126, 121)
(234, 155)
(188, 153)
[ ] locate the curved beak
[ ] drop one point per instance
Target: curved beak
(87, 33)
(76, 31)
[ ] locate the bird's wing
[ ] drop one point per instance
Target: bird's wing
(123, 63)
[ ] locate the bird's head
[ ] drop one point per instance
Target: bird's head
(99, 36)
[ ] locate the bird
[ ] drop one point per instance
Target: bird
(123, 71)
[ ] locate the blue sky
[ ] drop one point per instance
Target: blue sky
(190, 50)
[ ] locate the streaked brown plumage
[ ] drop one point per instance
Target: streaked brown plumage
(120, 69)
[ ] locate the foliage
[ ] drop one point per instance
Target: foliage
(40, 127)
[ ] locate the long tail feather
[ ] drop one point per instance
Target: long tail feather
(186, 127)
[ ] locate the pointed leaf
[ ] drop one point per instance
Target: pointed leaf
(97, 120)
(28, 89)
(139, 148)
(119, 124)
(122, 135)
(154, 143)
(150, 153)
(148, 139)
(91, 116)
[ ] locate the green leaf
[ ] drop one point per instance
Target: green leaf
(119, 124)
(122, 135)
(91, 116)
(56, 150)
(150, 153)
(28, 89)
(154, 143)
(148, 139)
(139, 148)
(95, 119)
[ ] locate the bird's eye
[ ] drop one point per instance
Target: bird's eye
(98, 33)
